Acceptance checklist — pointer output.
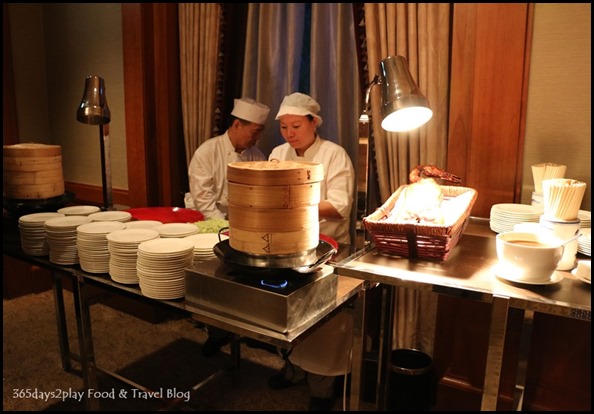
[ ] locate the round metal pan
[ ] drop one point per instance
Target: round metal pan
(271, 264)
(23, 207)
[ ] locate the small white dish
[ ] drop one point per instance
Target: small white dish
(556, 277)
(122, 216)
(79, 210)
(583, 279)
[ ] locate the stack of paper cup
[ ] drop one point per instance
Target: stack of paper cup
(546, 171)
(562, 198)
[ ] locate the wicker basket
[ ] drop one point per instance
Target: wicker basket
(425, 241)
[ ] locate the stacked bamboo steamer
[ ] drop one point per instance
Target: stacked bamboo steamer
(32, 171)
(273, 206)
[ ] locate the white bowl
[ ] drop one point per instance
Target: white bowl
(526, 256)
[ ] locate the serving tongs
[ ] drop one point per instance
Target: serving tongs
(318, 263)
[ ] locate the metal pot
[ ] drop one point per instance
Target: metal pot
(302, 263)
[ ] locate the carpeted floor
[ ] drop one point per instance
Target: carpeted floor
(164, 357)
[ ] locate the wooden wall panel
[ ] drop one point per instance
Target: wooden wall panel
(559, 376)
(487, 100)
(136, 100)
(490, 59)
(460, 352)
(154, 133)
(10, 128)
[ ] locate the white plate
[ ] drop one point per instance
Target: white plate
(79, 210)
(585, 241)
(583, 279)
(516, 209)
(176, 229)
(66, 222)
(100, 227)
(122, 216)
(39, 217)
(143, 224)
(132, 236)
(171, 248)
(556, 277)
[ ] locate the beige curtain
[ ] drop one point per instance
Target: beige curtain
(199, 44)
(420, 33)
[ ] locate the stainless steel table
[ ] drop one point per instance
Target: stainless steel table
(470, 272)
(348, 290)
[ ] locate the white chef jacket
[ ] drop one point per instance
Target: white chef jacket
(338, 186)
(208, 173)
(327, 351)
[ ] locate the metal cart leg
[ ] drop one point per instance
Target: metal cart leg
(499, 310)
(235, 360)
(526, 339)
(385, 346)
(61, 322)
(358, 351)
(85, 339)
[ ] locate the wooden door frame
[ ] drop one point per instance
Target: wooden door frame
(157, 173)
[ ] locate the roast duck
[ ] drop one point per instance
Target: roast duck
(421, 200)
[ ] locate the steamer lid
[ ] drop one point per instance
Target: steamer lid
(274, 172)
(31, 149)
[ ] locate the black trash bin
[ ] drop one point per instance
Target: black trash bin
(412, 382)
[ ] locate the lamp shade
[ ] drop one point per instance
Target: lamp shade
(404, 107)
(93, 109)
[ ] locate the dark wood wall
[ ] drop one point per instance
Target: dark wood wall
(157, 172)
(488, 88)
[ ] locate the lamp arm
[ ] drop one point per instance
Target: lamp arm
(105, 166)
(364, 118)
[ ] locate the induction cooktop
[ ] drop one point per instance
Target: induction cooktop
(280, 301)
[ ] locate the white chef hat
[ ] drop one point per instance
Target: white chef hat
(299, 104)
(250, 110)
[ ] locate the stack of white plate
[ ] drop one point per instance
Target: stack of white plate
(161, 265)
(585, 242)
(585, 218)
(60, 233)
(203, 245)
(123, 252)
(537, 200)
(505, 216)
(122, 216)
(31, 227)
(79, 210)
(177, 229)
(91, 241)
(143, 224)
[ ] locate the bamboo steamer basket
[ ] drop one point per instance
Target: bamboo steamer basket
(281, 243)
(32, 171)
(273, 206)
(273, 219)
(269, 173)
(274, 196)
